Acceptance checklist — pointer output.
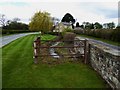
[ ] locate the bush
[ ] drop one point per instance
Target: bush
(115, 35)
(14, 31)
(79, 31)
(69, 37)
(53, 33)
(109, 34)
(66, 30)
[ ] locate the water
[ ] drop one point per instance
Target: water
(52, 51)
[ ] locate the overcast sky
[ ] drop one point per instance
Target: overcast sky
(92, 11)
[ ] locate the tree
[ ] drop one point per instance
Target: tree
(110, 25)
(41, 21)
(77, 24)
(16, 26)
(8, 22)
(68, 18)
(54, 19)
(92, 26)
(16, 19)
(2, 20)
(118, 27)
(82, 26)
(97, 25)
(105, 25)
(88, 25)
(84, 23)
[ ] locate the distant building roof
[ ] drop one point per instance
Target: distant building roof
(78, 28)
(66, 23)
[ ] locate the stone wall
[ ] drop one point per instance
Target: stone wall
(106, 62)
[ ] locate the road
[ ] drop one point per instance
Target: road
(103, 43)
(7, 39)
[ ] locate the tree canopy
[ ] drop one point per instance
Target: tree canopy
(77, 24)
(68, 18)
(2, 20)
(15, 25)
(41, 21)
(97, 25)
(110, 25)
(88, 25)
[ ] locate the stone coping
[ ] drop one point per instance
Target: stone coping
(103, 47)
(106, 48)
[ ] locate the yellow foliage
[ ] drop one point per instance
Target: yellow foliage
(41, 21)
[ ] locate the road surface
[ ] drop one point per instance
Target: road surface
(103, 43)
(7, 39)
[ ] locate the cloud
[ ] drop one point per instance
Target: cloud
(99, 11)
(82, 11)
(108, 9)
(14, 3)
(58, 1)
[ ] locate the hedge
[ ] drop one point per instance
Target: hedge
(15, 31)
(109, 34)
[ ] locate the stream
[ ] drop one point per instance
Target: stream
(55, 55)
(52, 51)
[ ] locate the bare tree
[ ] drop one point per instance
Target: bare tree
(2, 20)
(16, 19)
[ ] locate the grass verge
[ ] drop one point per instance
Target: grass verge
(19, 71)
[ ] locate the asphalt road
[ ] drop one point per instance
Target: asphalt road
(7, 39)
(103, 43)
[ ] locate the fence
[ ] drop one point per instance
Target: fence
(76, 48)
(105, 62)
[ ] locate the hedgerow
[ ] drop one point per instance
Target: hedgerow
(109, 34)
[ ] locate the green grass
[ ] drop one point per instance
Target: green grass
(103, 40)
(47, 37)
(19, 71)
(0, 68)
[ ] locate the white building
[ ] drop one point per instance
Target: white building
(61, 26)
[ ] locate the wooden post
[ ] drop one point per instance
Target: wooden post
(36, 49)
(88, 53)
(85, 51)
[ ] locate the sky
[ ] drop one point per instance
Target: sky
(91, 11)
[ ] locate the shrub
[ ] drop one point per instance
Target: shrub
(109, 34)
(79, 30)
(66, 30)
(69, 37)
(115, 35)
(14, 31)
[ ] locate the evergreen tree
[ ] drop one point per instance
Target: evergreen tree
(77, 24)
(68, 18)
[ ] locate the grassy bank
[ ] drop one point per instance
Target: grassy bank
(19, 71)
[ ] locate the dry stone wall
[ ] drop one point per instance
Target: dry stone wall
(107, 63)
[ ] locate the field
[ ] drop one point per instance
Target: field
(19, 71)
